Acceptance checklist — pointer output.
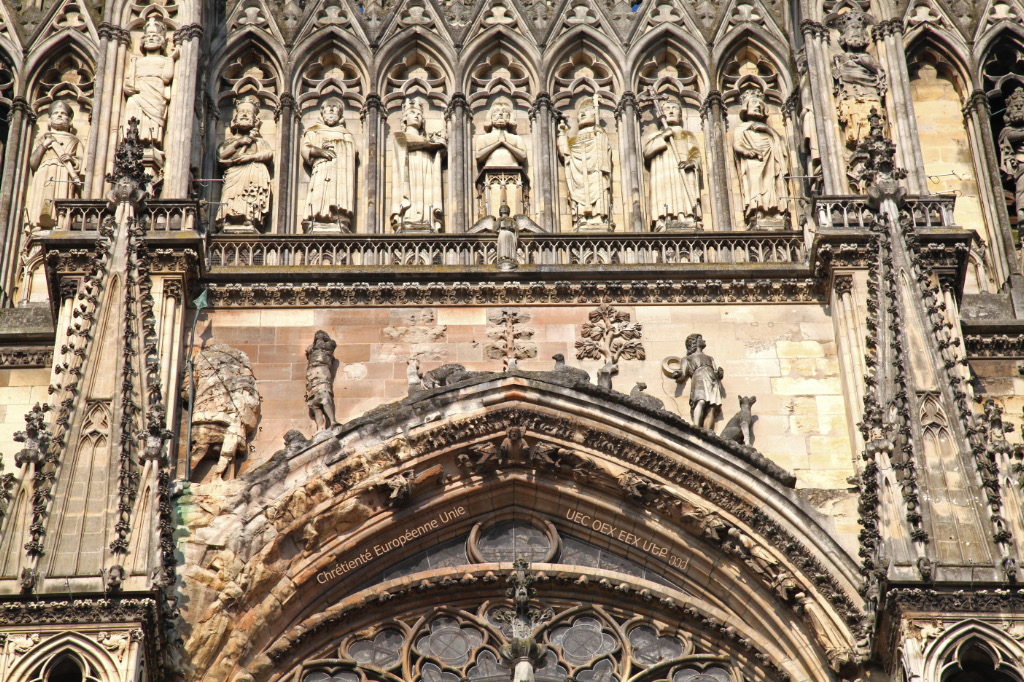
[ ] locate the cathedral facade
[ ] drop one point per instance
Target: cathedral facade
(511, 340)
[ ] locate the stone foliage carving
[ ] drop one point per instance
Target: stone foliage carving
(1011, 147)
(673, 157)
(320, 380)
(859, 79)
(501, 159)
(705, 380)
(146, 86)
(246, 156)
(418, 204)
(227, 405)
(56, 163)
(329, 149)
(510, 337)
(587, 158)
(762, 162)
(611, 336)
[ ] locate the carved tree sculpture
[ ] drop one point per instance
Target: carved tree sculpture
(610, 336)
(227, 404)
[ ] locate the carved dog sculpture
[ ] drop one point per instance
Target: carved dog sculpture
(739, 427)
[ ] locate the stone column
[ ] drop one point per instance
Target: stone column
(181, 115)
(712, 114)
(889, 38)
(977, 116)
(627, 115)
(109, 38)
(284, 114)
(109, 100)
(68, 290)
(370, 116)
(455, 115)
(544, 174)
(171, 340)
(849, 349)
(20, 123)
(820, 73)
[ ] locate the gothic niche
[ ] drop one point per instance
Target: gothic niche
(329, 112)
(248, 133)
(585, 87)
(759, 147)
(418, 145)
(671, 151)
(1003, 75)
(62, 101)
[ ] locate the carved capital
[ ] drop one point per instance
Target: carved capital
(110, 33)
(712, 101)
(20, 104)
(185, 33)
(372, 103)
(541, 103)
(456, 104)
(792, 103)
(978, 102)
(889, 27)
(173, 290)
(626, 102)
(68, 288)
(287, 102)
(813, 29)
(843, 284)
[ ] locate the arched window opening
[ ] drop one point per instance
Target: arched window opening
(1003, 74)
(66, 670)
(976, 664)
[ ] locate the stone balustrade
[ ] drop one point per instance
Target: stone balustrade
(851, 212)
(77, 215)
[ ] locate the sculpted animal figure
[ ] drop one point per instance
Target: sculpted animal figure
(445, 375)
(227, 405)
(739, 427)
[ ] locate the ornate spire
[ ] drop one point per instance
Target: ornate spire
(130, 180)
(880, 175)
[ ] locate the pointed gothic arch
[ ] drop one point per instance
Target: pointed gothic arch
(669, 37)
(681, 501)
(95, 662)
(968, 643)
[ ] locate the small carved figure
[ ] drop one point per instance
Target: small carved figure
(227, 405)
(245, 199)
(35, 437)
(116, 644)
(588, 169)
(739, 428)
(146, 82)
(156, 434)
(562, 460)
(508, 240)
(320, 380)
(56, 162)
(673, 157)
(706, 384)
(413, 376)
(641, 489)
(605, 374)
(859, 79)
(646, 400)
(501, 156)
(417, 198)
(21, 644)
(445, 375)
(1011, 148)
(329, 149)
(575, 374)
(762, 162)
(399, 489)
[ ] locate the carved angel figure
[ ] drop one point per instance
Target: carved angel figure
(418, 201)
(56, 162)
(588, 170)
(330, 150)
(146, 82)
(246, 157)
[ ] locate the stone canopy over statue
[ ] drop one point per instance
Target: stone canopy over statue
(859, 79)
(672, 155)
(417, 203)
(762, 162)
(147, 88)
(329, 149)
(587, 158)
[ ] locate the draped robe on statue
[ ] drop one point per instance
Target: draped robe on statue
(52, 179)
(588, 168)
(246, 192)
(332, 182)
(417, 200)
(675, 193)
(149, 75)
(762, 180)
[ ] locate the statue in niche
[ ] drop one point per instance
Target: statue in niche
(705, 380)
(1011, 148)
(859, 79)
(762, 161)
(417, 203)
(588, 170)
(329, 149)
(245, 199)
(673, 157)
(501, 157)
(56, 162)
(146, 85)
(320, 380)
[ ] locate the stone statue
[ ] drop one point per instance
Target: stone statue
(146, 85)
(508, 240)
(245, 199)
(227, 404)
(500, 157)
(762, 162)
(673, 157)
(740, 427)
(56, 162)
(706, 384)
(329, 149)
(588, 170)
(417, 200)
(320, 380)
(859, 79)
(1011, 148)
